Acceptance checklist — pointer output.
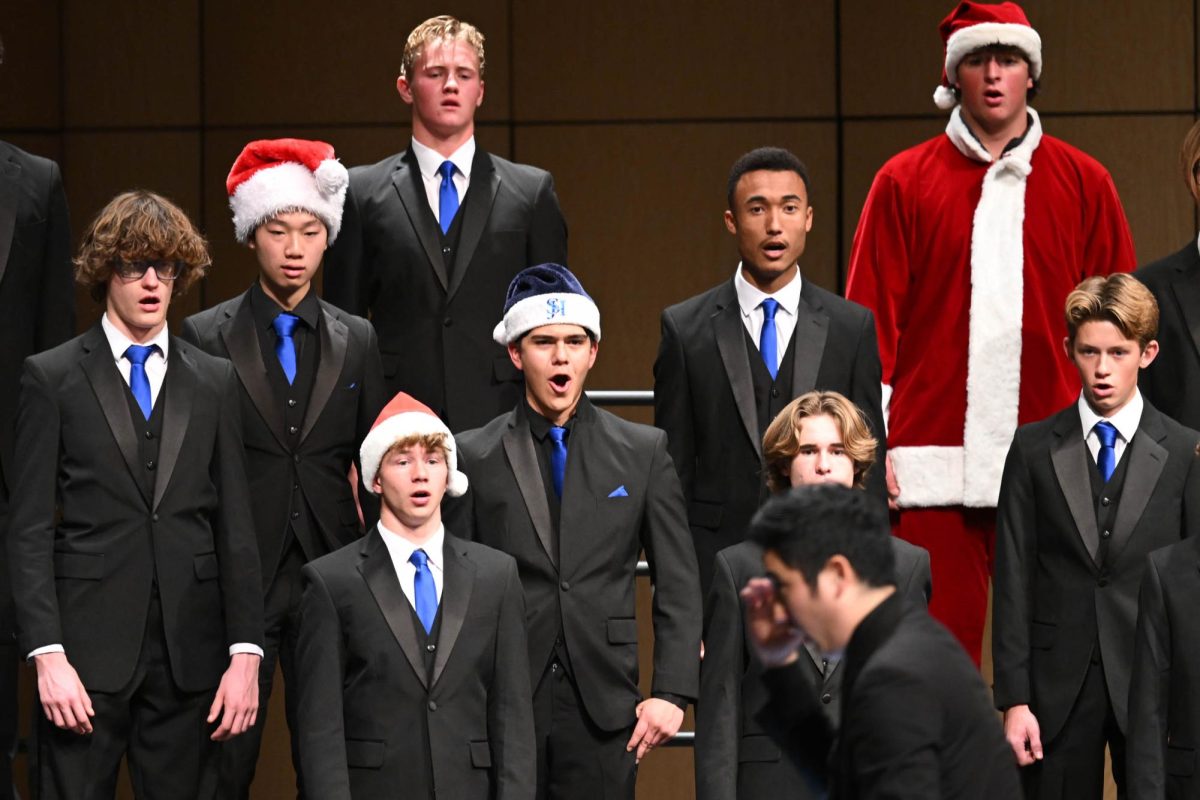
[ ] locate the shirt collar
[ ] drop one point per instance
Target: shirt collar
(265, 309)
(1126, 420)
(751, 297)
(119, 342)
(1015, 142)
(401, 549)
(540, 427)
(429, 159)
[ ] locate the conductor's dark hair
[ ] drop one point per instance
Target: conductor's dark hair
(809, 525)
(771, 159)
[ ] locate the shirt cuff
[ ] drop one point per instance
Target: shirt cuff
(245, 647)
(41, 651)
(674, 699)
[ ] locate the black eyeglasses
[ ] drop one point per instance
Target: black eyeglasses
(165, 270)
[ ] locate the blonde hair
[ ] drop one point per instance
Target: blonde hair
(1120, 299)
(781, 442)
(434, 29)
(1189, 160)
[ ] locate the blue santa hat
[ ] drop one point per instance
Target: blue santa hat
(547, 294)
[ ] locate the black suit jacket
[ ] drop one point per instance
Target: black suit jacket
(1052, 602)
(1172, 381)
(37, 299)
(916, 718)
(1164, 704)
(704, 400)
(736, 757)
(84, 579)
(589, 594)
(347, 395)
(388, 261)
(364, 686)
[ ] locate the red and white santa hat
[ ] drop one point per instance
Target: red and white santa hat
(975, 25)
(401, 418)
(272, 176)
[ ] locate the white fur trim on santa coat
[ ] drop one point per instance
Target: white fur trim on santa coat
(290, 186)
(400, 426)
(555, 308)
(970, 475)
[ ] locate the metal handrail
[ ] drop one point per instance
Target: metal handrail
(621, 397)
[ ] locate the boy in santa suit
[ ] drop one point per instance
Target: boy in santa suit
(965, 249)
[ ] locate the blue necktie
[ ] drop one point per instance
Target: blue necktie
(424, 592)
(139, 384)
(558, 458)
(285, 346)
(1106, 459)
(447, 196)
(768, 342)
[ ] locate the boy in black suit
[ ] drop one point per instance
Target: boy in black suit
(1087, 494)
(574, 494)
(915, 716)
(311, 385)
(134, 564)
(731, 358)
(434, 234)
(412, 663)
(820, 437)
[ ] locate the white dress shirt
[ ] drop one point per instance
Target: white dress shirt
(156, 372)
(750, 301)
(1126, 422)
(156, 364)
(430, 160)
(401, 550)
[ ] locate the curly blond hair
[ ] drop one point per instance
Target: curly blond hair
(781, 442)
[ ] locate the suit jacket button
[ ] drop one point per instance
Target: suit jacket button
(150, 465)
(296, 459)
(447, 322)
(1105, 501)
(149, 434)
(291, 403)
(445, 251)
(566, 586)
(1105, 534)
(827, 698)
(774, 393)
(1102, 582)
(292, 429)
(432, 705)
(154, 517)
(429, 648)
(295, 514)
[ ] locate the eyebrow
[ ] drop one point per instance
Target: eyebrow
(758, 198)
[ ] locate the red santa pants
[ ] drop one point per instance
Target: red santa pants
(961, 544)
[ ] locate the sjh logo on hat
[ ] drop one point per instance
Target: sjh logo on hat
(556, 307)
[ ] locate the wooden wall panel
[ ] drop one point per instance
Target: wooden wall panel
(671, 59)
(646, 230)
(133, 63)
(280, 63)
(32, 71)
(1142, 153)
(102, 165)
(1107, 55)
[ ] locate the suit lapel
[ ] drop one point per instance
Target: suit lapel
(377, 570)
(1187, 291)
(477, 209)
(731, 343)
(1147, 458)
(110, 391)
(1071, 463)
(407, 180)
(458, 581)
(10, 173)
(181, 375)
(812, 327)
(241, 342)
(518, 446)
(334, 337)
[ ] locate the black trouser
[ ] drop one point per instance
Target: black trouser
(161, 730)
(1073, 766)
(576, 759)
(239, 755)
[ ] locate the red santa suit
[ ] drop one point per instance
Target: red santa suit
(966, 262)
